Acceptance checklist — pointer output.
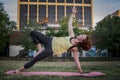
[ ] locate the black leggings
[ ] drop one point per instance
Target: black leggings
(37, 38)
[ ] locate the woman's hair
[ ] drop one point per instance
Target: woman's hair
(86, 43)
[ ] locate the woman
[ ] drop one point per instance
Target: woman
(58, 45)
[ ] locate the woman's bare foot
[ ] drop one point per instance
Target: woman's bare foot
(17, 72)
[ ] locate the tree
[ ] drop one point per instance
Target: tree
(25, 41)
(107, 34)
(5, 27)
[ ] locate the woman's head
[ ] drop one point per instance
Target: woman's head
(84, 42)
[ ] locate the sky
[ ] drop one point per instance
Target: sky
(101, 8)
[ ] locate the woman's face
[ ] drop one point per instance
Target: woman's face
(81, 37)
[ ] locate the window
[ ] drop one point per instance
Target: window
(51, 13)
(33, 0)
(68, 10)
(79, 13)
(60, 12)
(42, 12)
(87, 16)
(78, 1)
(60, 1)
(42, 0)
(87, 1)
(24, 0)
(23, 15)
(69, 1)
(51, 0)
(33, 12)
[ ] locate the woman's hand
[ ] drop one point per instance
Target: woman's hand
(74, 10)
(81, 72)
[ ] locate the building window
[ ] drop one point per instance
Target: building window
(23, 15)
(51, 0)
(33, 0)
(69, 1)
(78, 1)
(60, 12)
(51, 13)
(33, 12)
(23, 0)
(79, 13)
(42, 12)
(68, 10)
(87, 1)
(42, 0)
(87, 18)
(60, 1)
(79, 16)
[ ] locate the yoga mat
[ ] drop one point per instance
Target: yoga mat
(90, 74)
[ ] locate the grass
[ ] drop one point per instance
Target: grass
(111, 68)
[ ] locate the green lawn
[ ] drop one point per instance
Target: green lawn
(112, 69)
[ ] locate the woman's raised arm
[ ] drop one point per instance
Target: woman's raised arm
(70, 27)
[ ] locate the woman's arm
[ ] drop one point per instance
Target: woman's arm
(70, 27)
(76, 59)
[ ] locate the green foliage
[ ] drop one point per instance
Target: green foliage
(63, 30)
(5, 27)
(64, 21)
(81, 31)
(26, 41)
(107, 33)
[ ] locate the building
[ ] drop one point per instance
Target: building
(54, 10)
(116, 13)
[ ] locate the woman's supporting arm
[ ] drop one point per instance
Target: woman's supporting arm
(76, 59)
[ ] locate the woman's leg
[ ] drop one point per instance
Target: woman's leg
(40, 56)
(39, 38)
